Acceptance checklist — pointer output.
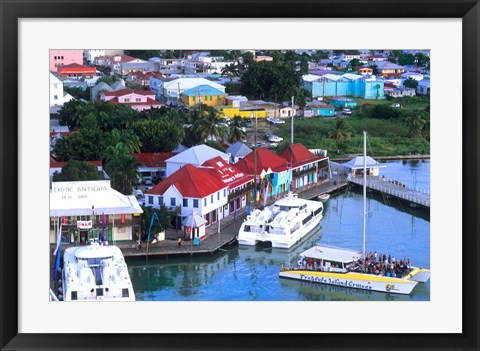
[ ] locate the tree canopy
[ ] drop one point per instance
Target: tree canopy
(78, 171)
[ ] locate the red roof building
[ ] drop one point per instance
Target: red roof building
(191, 182)
(267, 162)
(306, 167)
(75, 70)
(298, 155)
(192, 190)
(226, 173)
(153, 163)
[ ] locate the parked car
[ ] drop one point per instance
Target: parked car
(137, 193)
(395, 105)
(346, 111)
(275, 139)
(147, 180)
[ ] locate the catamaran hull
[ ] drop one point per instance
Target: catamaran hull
(419, 275)
(353, 281)
(278, 240)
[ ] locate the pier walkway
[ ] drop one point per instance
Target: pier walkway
(396, 189)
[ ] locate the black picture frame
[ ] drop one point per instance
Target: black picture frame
(13, 10)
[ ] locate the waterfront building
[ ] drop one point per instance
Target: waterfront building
(272, 171)
(190, 190)
(86, 210)
(354, 167)
(306, 167)
(239, 184)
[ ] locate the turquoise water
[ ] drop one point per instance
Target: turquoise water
(246, 273)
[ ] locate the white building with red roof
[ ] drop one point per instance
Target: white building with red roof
(139, 100)
(191, 190)
(239, 183)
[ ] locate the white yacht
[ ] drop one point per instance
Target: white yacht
(96, 273)
(283, 223)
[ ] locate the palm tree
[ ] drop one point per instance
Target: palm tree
(121, 167)
(208, 127)
(236, 130)
(341, 131)
(128, 138)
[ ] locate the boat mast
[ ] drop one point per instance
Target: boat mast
(364, 188)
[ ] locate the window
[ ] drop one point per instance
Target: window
(160, 200)
(195, 203)
(138, 99)
(193, 98)
(55, 97)
(211, 199)
(185, 202)
(127, 100)
(205, 202)
(173, 202)
(218, 195)
(150, 200)
(224, 192)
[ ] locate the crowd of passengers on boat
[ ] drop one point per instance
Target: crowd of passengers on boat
(374, 264)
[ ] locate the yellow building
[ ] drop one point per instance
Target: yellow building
(230, 112)
(203, 94)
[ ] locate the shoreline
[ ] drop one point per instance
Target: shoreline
(398, 157)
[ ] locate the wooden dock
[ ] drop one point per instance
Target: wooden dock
(396, 189)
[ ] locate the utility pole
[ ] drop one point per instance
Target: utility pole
(293, 114)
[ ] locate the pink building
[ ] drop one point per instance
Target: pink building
(139, 100)
(59, 58)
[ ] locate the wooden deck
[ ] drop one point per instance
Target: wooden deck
(395, 189)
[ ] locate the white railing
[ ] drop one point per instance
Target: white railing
(397, 193)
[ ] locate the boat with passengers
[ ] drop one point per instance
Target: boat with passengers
(283, 223)
(96, 273)
(353, 269)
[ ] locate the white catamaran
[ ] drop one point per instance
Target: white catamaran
(352, 269)
(96, 273)
(283, 223)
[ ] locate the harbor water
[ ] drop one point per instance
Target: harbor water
(244, 273)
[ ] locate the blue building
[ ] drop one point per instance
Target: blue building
(344, 85)
(343, 102)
